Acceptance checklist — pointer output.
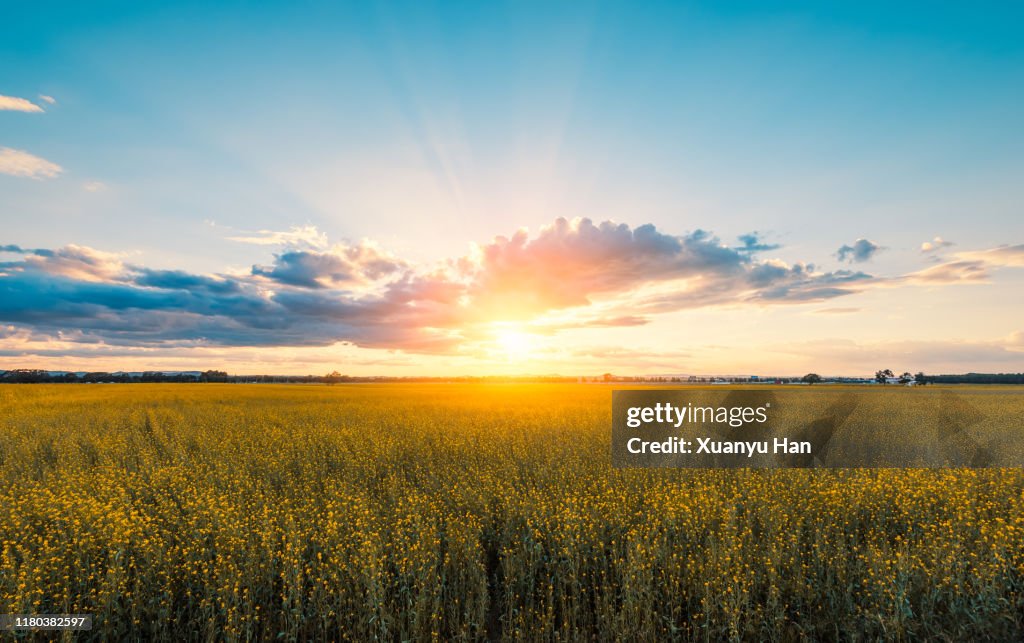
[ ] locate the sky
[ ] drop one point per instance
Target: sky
(512, 188)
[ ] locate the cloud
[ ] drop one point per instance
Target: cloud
(104, 298)
(15, 104)
(936, 244)
(569, 262)
(836, 311)
(74, 262)
(299, 236)
(341, 266)
(362, 294)
(23, 164)
(94, 186)
(1002, 256)
(951, 272)
(631, 357)
(546, 326)
(572, 264)
(181, 280)
(861, 250)
(610, 322)
(972, 266)
(49, 100)
(752, 242)
(568, 275)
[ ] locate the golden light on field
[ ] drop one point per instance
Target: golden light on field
(472, 512)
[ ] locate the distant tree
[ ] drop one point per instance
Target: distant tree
(882, 376)
(811, 378)
(906, 378)
(213, 376)
(978, 378)
(27, 376)
(607, 377)
(332, 378)
(921, 378)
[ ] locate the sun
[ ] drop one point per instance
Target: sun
(516, 344)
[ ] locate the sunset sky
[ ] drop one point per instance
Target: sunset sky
(492, 188)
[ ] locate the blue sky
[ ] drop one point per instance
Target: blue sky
(420, 128)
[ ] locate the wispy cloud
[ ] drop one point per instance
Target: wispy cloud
(971, 266)
(16, 104)
(23, 164)
(1002, 256)
(936, 244)
(951, 272)
(301, 236)
(839, 310)
(49, 100)
(94, 186)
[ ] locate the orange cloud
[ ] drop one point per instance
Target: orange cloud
(15, 104)
(23, 164)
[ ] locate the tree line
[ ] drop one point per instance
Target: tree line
(38, 376)
(886, 376)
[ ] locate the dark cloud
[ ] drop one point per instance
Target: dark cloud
(341, 266)
(752, 242)
(181, 280)
(802, 286)
(307, 270)
(861, 250)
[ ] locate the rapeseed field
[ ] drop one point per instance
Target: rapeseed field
(470, 512)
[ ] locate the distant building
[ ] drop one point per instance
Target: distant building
(896, 380)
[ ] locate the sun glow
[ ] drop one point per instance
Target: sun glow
(514, 343)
